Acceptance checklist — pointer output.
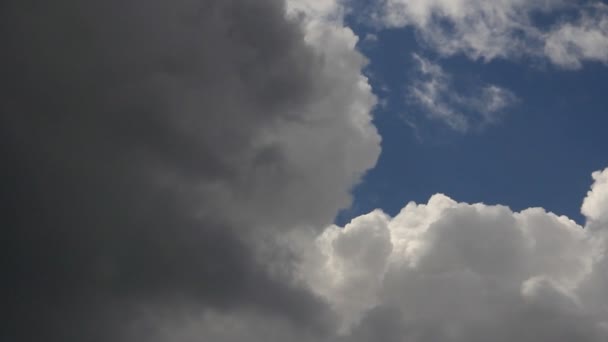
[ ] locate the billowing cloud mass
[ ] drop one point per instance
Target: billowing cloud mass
(172, 169)
(506, 29)
(449, 271)
(433, 91)
(153, 151)
(443, 271)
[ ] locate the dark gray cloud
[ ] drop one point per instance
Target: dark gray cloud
(127, 129)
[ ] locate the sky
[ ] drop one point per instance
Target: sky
(304, 170)
(551, 135)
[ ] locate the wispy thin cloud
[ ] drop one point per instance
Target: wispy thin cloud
(434, 93)
(506, 29)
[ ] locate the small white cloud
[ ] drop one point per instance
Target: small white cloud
(370, 38)
(434, 92)
(596, 203)
(571, 43)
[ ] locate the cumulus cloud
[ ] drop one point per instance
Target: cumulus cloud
(434, 92)
(450, 271)
(596, 202)
(505, 29)
(154, 151)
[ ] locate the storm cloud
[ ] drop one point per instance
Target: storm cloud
(153, 149)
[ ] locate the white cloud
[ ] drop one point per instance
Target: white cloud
(505, 29)
(370, 38)
(434, 92)
(450, 271)
(587, 39)
(596, 202)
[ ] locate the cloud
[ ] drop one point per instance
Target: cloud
(505, 29)
(450, 271)
(569, 44)
(316, 10)
(435, 94)
(170, 166)
(596, 202)
(442, 270)
(156, 149)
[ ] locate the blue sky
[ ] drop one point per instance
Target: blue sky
(539, 153)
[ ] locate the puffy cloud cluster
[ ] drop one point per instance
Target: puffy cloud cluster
(505, 29)
(434, 92)
(449, 271)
